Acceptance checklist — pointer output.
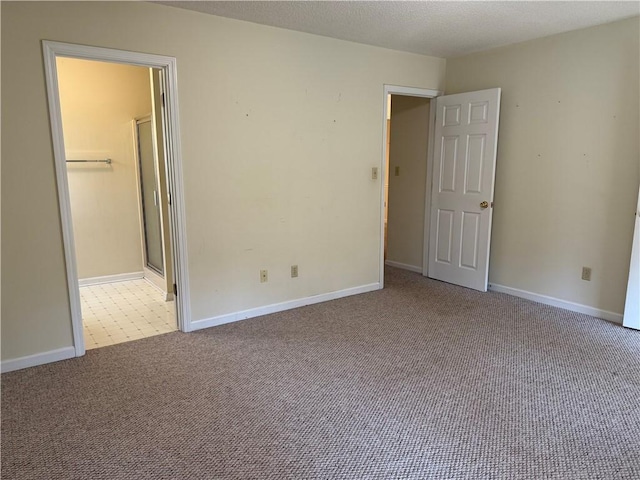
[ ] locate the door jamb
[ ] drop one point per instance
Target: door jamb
(173, 156)
(408, 92)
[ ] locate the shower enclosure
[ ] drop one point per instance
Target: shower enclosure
(150, 197)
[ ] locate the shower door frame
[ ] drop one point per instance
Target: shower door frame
(140, 189)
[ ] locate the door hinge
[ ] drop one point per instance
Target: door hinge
(163, 99)
(175, 289)
(169, 197)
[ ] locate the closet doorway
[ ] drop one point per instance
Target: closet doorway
(118, 168)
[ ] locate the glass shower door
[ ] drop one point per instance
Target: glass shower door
(150, 198)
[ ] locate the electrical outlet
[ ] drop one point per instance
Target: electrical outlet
(264, 276)
(586, 273)
(374, 173)
(397, 170)
(294, 271)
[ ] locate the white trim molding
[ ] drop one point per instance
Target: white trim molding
(168, 296)
(155, 279)
(120, 277)
(280, 307)
(404, 266)
(556, 302)
(428, 187)
(168, 67)
(409, 92)
(37, 359)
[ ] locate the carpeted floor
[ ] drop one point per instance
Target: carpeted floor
(421, 380)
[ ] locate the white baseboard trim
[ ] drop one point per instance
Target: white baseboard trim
(404, 266)
(279, 307)
(37, 359)
(120, 277)
(155, 279)
(158, 282)
(556, 302)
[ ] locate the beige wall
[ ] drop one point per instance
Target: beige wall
(99, 101)
(408, 151)
(280, 130)
(567, 170)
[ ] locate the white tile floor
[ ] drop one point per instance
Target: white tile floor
(124, 311)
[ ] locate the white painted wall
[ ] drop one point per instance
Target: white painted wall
(99, 100)
(408, 151)
(280, 130)
(567, 168)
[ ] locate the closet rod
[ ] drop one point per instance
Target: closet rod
(106, 160)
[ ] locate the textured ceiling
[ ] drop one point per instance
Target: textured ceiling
(439, 28)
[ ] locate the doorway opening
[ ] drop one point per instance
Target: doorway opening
(405, 181)
(116, 143)
(459, 187)
(118, 208)
(406, 173)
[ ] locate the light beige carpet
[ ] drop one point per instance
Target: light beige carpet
(421, 380)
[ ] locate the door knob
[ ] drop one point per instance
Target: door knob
(484, 204)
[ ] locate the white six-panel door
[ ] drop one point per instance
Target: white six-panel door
(464, 163)
(631, 317)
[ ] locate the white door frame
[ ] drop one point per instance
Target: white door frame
(168, 65)
(408, 92)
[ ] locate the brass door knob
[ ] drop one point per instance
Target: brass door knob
(484, 204)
